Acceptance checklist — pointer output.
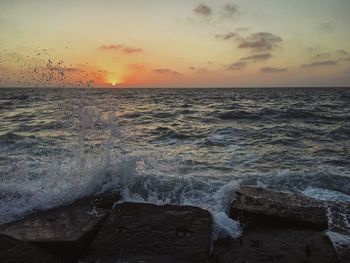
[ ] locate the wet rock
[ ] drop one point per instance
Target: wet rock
(16, 251)
(148, 233)
(64, 231)
(265, 206)
(339, 229)
(103, 201)
(276, 244)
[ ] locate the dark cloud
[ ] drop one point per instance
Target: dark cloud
(273, 70)
(258, 57)
(262, 41)
(227, 36)
(166, 71)
(230, 10)
(122, 48)
(202, 10)
(320, 63)
(237, 65)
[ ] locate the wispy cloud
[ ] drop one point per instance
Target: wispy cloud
(228, 35)
(320, 64)
(242, 29)
(258, 57)
(166, 71)
(341, 52)
(237, 65)
(202, 10)
(121, 47)
(322, 55)
(262, 41)
(325, 27)
(199, 69)
(273, 70)
(230, 10)
(256, 42)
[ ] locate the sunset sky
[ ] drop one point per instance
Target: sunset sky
(182, 43)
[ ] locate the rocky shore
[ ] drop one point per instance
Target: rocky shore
(276, 227)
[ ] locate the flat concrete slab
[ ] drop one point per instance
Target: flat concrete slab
(63, 231)
(149, 233)
(257, 204)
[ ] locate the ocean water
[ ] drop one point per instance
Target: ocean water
(181, 146)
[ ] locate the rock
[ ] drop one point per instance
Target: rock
(277, 227)
(148, 233)
(339, 229)
(256, 204)
(64, 231)
(16, 251)
(276, 244)
(103, 201)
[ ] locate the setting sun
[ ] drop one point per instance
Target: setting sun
(113, 83)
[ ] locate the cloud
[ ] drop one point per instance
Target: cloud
(341, 52)
(166, 71)
(273, 70)
(322, 55)
(347, 59)
(228, 36)
(121, 47)
(237, 65)
(325, 27)
(230, 10)
(242, 29)
(199, 69)
(320, 63)
(262, 41)
(202, 10)
(258, 57)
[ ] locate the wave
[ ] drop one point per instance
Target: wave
(238, 115)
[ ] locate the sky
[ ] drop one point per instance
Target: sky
(182, 43)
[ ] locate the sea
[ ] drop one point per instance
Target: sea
(181, 146)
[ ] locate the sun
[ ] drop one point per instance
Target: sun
(113, 83)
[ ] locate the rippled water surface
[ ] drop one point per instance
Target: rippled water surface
(170, 145)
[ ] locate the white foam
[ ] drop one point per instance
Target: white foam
(339, 241)
(325, 194)
(138, 179)
(224, 227)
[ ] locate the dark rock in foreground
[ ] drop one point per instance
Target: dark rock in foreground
(149, 233)
(277, 227)
(64, 231)
(276, 245)
(15, 251)
(257, 204)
